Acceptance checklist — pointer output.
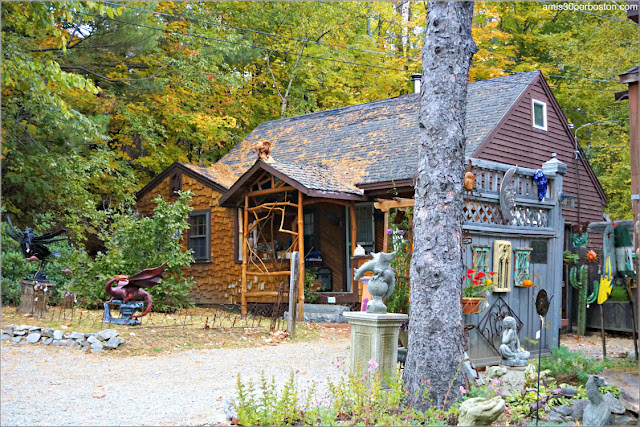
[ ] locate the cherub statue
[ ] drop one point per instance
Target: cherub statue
(512, 354)
(382, 282)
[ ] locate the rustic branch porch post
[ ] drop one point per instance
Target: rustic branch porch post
(301, 250)
(354, 227)
(245, 244)
(385, 240)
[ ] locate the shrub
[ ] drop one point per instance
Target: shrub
(16, 268)
(132, 243)
(571, 365)
(354, 400)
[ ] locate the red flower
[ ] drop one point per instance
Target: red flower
(475, 282)
(492, 273)
(480, 275)
(469, 273)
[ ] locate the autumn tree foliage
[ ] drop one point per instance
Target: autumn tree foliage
(111, 93)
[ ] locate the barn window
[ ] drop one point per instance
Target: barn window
(199, 240)
(539, 114)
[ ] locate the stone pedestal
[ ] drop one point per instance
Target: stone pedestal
(374, 337)
(512, 378)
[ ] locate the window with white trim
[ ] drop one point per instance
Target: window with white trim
(199, 235)
(539, 114)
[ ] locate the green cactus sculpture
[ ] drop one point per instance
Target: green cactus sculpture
(581, 285)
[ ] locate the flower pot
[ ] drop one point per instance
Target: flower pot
(473, 305)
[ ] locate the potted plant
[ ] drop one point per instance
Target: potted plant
(475, 289)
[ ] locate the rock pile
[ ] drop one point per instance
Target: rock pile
(93, 342)
(570, 413)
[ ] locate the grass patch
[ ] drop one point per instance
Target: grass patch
(171, 332)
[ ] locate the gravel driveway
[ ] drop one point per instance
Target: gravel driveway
(59, 386)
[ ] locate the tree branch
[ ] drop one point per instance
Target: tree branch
(293, 74)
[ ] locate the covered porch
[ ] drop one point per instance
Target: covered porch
(288, 207)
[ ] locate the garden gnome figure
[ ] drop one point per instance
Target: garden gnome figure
(381, 283)
(512, 354)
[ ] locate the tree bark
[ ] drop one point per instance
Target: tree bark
(433, 371)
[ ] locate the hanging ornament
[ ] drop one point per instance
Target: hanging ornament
(592, 256)
(542, 183)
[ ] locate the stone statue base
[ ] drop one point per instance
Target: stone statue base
(127, 310)
(374, 337)
(514, 363)
(512, 378)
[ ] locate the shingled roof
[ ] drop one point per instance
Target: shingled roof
(377, 141)
(334, 151)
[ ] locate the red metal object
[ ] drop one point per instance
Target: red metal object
(130, 288)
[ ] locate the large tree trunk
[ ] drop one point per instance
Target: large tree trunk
(433, 371)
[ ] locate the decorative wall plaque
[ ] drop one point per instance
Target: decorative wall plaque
(481, 258)
(508, 195)
(502, 266)
(522, 265)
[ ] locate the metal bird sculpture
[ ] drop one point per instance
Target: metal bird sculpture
(131, 288)
(34, 247)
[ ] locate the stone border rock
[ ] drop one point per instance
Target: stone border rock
(94, 342)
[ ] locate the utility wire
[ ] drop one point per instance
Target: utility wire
(305, 56)
(333, 45)
(253, 46)
(250, 30)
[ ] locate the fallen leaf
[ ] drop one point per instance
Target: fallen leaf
(99, 396)
(219, 398)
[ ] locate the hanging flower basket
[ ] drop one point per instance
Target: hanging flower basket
(473, 305)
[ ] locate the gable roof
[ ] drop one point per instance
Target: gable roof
(368, 145)
(213, 176)
(312, 180)
(377, 140)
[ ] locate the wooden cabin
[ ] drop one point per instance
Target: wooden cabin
(316, 191)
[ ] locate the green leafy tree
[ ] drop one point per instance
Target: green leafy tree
(134, 243)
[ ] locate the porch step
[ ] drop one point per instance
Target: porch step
(323, 313)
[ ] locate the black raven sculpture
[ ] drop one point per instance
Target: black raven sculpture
(32, 244)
